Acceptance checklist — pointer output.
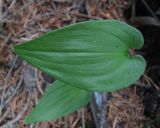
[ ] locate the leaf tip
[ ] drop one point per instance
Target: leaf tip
(14, 49)
(27, 120)
(30, 118)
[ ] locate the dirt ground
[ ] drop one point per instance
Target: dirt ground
(21, 85)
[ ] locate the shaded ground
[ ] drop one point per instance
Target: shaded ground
(21, 85)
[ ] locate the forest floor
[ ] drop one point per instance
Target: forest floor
(21, 85)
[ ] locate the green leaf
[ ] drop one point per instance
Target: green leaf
(90, 55)
(58, 100)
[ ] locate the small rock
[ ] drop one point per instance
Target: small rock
(29, 77)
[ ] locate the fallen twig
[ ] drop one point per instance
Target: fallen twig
(83, 118)
(19, 116)
(15, 91)
(5, 84)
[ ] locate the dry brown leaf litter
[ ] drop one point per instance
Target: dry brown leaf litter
(24, 20)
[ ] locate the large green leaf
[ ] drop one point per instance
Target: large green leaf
(91, 55)
(58, 100)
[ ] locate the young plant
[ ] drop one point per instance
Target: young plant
(82, 57)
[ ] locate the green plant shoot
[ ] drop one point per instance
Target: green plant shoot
(83, 57)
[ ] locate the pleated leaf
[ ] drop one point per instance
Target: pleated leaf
(90, 55)
(59, 100)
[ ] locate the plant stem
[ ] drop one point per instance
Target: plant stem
(99, 109)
